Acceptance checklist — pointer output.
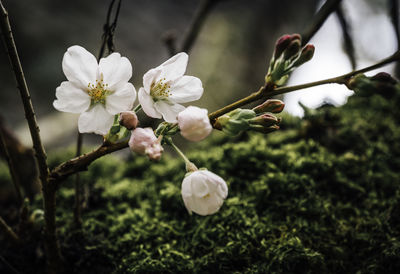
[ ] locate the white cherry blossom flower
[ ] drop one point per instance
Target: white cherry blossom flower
(203, 192)
(194, 123)
(96, 90)
(166, 86)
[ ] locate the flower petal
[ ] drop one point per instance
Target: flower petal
(168, 110)
(121, 100)
(151, 77)
(116, 70)
(79, 66)
(96, 120)
(174, 67)
(148, 104)
(70, 98)
(186, 89)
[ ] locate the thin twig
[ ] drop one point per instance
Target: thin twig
(78, 189)
(7, 230)
(266, 92)
(394, 15)
(192, 32)
(348, 40)
(319, 19)
(12, 168)
(195, 27)
(109, 29)
(52, 247)
(9, 265)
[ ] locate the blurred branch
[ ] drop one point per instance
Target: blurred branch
(193, 31)
(394, 15)
(8, 232)
(348, 40)
(319, 19)
(12, 167)
(77, 206)
(52, 247)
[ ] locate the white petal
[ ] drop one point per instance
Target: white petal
(150, 77)
(186, 89)
(174, 67)
(79, 66)
(168, 110)
(116, 70)
(96, 120)
(121, 100)
(148, 104)
(71, 98)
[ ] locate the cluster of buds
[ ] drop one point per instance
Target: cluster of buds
(288, 55)
(382, 83)
(260, 118)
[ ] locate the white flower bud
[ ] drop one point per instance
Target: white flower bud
(144, 142)
(194, 123)
(203, 192)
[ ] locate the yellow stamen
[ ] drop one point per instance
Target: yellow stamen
(160, 90)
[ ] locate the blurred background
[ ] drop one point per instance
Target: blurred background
(231, 54)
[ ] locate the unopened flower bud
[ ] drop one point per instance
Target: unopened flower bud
(203, 192)
(194, 123)
(292, 50)
(283, 42)
(306, 55)
(232, 123)
(144, 142)
(264, 130)
(265, 120)
(384, 77)
(271, 105)
(128, 119)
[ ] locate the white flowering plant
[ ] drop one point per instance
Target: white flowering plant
(100, 92)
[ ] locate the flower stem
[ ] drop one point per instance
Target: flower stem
(137, 108)
(190, 167)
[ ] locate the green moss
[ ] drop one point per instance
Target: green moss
(320, 196)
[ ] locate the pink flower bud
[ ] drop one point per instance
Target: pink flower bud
(271, 105)
(283, 42)
(194, 123)
(292, 50)
(306, 55)
(264, 120)
(128, 119)
(144, 142)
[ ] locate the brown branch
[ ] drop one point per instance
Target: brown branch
(54, 258)
(394, 15)
(9, 232)
(12, 167)
(348, 40)
(82, 162)
(319, 19)
(77, 206)
(192, 32)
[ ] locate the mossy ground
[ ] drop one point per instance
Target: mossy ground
(322, 195)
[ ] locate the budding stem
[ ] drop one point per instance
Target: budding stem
(190, 167)
(137, 108)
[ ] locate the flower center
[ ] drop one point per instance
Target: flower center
(98, 91)
(160, 90)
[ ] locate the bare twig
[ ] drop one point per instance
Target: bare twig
(394, 15)
(321, 16)
(348, 40)
(78, 189)
(192, 32)
(52, 247)
(10, 267)
(109, 28)
(8, 232)
(12, 168)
